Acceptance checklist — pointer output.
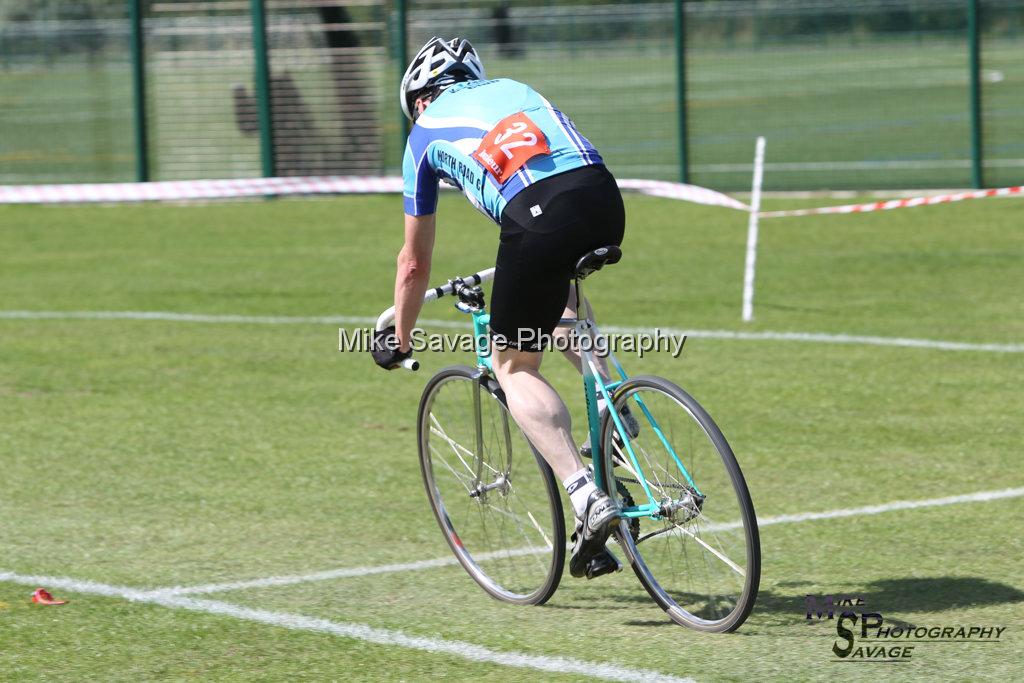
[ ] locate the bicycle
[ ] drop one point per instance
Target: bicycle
(692, 540)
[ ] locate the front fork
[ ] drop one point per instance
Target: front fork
(484, 372)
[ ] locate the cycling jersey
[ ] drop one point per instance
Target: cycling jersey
(458, 139)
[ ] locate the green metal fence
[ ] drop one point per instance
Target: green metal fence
(65, 95)
(877, 93)
(865, 94)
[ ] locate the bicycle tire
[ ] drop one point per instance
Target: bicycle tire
(529, 572)
(675, 589)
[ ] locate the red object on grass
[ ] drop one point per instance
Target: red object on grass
(43, 597)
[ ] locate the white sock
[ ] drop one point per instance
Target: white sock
(580, 486)
(602, 404)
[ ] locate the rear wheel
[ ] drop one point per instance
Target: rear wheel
(698, 554)
(494, 497)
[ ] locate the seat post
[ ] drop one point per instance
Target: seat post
(579, 297)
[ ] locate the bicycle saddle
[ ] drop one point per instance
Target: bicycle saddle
(595, 260)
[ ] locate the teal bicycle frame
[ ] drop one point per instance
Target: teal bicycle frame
(593, 384)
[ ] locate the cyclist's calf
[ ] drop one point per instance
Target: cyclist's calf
(537, 408)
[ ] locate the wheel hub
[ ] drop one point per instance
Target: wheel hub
(481, 490)
(682, 510)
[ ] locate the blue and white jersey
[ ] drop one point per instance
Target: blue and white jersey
(441, 145)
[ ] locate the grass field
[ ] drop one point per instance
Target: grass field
(147, 454)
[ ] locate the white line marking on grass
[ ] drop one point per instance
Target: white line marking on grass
(189, 317)
(811, 337)
(979, 497)
(777, 166)
(339, 573)
(823, 338)
(369, 634)
(326, 575)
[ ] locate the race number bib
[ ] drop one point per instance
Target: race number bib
(509, 145)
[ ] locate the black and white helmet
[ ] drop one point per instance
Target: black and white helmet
(439, 63)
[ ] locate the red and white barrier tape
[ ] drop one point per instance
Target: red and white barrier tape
(264, 187)
(896, 203)
(195, 189)
(256, 187)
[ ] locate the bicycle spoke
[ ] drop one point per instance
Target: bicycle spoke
(629, 468)
(522, 529)
(536, 525)
(455, 446)
(457, 475)
(735, 567)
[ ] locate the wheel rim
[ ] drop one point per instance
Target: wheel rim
(500, 525)
(697, 559)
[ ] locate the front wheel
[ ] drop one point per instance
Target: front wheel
(493, 495)
(696, 550)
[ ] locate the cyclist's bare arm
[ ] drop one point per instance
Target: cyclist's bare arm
(413, 274)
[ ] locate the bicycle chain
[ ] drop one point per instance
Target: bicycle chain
(627, 501)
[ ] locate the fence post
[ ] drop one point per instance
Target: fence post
(266, 116)
(139, 91)
(402, 56)
(973, 38)
(684, 166)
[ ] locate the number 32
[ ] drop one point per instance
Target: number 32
(516, 128)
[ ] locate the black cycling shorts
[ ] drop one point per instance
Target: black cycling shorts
(545, 229)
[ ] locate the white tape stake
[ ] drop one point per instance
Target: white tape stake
(755, 209)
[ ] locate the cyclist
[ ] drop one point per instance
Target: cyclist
(524, 164)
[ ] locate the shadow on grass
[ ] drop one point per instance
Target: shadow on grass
(652, 623)
(603, 601)
(937, 594)
(891, 597)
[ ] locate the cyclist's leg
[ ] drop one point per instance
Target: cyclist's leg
(526, 300)
(544, 230)
(537, 408)
(531, 283)
(543, 417)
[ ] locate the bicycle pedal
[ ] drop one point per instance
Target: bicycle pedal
(603, 563)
